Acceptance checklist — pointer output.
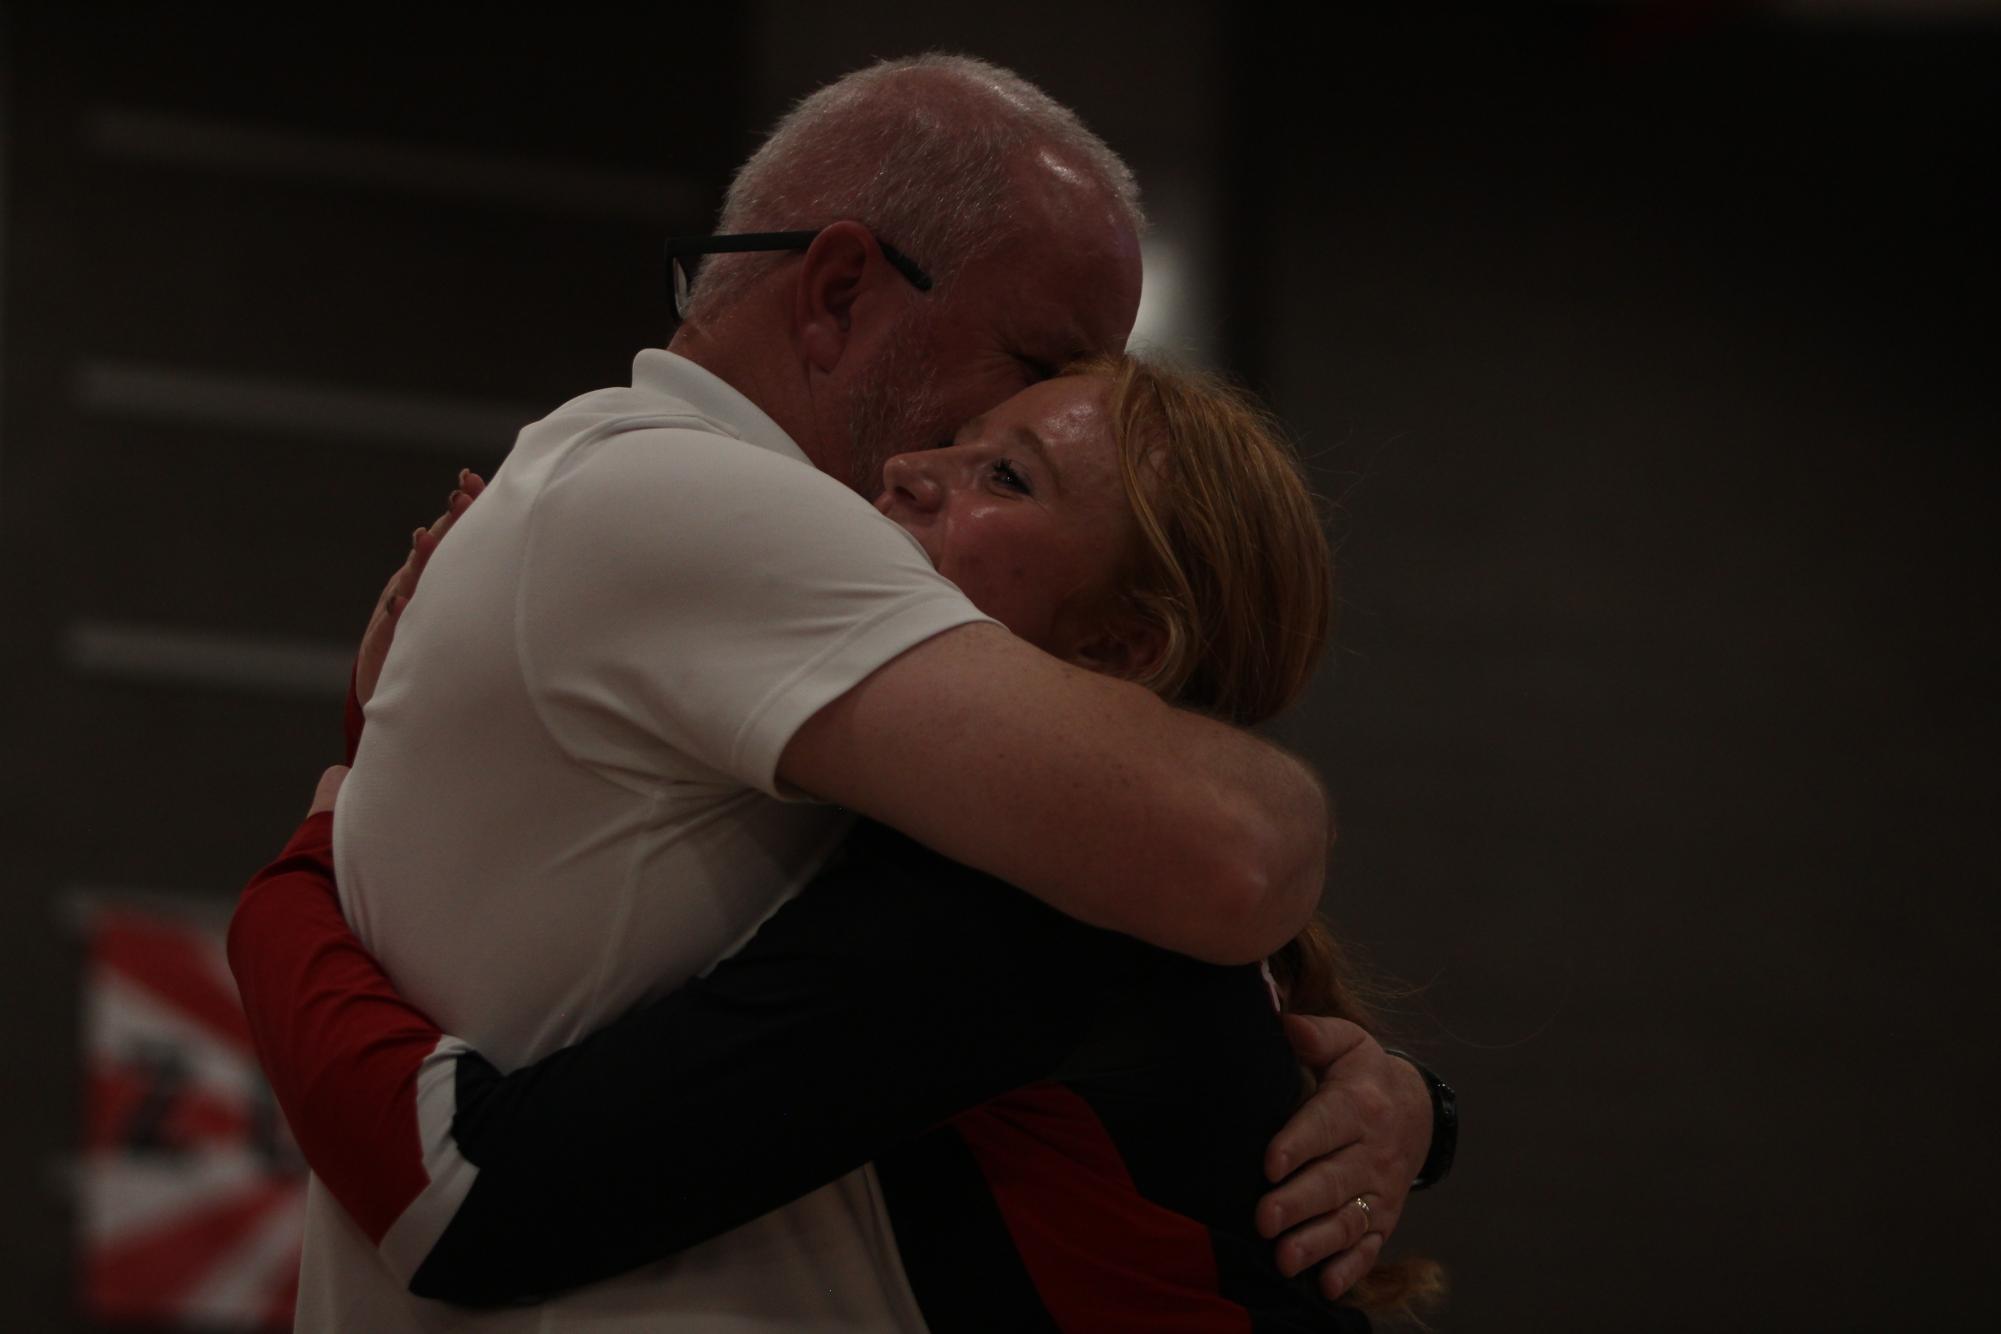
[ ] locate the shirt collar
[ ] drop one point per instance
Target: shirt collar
(659, 371)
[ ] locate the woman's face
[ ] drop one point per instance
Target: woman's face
(1025, 511)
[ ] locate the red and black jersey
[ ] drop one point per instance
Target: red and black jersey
(1067, 1125)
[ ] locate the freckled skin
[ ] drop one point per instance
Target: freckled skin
(1037, 539)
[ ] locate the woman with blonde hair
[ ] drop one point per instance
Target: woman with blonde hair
(1066, 1125)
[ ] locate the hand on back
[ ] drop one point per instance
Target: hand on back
(402, 585)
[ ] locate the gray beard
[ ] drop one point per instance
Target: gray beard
(894, 410)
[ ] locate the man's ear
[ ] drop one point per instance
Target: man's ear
(1130, 646)
(840, 267)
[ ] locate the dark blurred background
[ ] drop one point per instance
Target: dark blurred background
(1647, 351)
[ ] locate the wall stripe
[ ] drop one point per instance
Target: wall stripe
(75, 906)
(173, 395)
(256, 664)
(6, 85)
(199, 143)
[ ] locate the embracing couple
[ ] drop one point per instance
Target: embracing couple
(802, 868)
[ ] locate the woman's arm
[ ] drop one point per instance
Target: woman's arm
(341, 1048)
(895, 991)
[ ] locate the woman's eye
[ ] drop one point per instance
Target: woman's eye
(1008, 476)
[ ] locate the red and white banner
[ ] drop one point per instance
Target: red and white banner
(191, 1191)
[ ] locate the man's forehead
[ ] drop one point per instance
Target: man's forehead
(1066, 315)
(1070, 281)
(1054, 332)
(1014, 320)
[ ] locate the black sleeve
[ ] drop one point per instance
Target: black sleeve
(894, 992)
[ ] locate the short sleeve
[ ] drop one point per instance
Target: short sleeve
(688, 600)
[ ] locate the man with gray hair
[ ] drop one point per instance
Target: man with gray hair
(656, 630)
(957, 161)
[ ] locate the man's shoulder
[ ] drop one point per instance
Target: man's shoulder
(644, 482)
(608, 413)
(669, 394)
(602, 454)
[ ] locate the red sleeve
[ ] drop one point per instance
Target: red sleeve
(341, 1048)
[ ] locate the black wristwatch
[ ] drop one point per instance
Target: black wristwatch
(1444, 1124)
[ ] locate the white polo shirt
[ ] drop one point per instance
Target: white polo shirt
(566, 800)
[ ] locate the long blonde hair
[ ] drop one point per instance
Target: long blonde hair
(1234, 569)
(1236, 574)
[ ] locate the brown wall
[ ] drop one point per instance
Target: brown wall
(1655, 366)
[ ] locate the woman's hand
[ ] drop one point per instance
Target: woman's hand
(327, 790)
(1363, 1134)
(402, 585)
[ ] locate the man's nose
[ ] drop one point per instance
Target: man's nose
(914, 479)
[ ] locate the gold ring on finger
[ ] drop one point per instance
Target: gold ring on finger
(1368, 1218)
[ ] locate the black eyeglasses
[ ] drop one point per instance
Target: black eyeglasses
(680, 246)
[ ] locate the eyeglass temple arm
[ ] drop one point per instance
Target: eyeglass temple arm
(679, 247)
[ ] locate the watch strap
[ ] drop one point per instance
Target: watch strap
(1444, 1124)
